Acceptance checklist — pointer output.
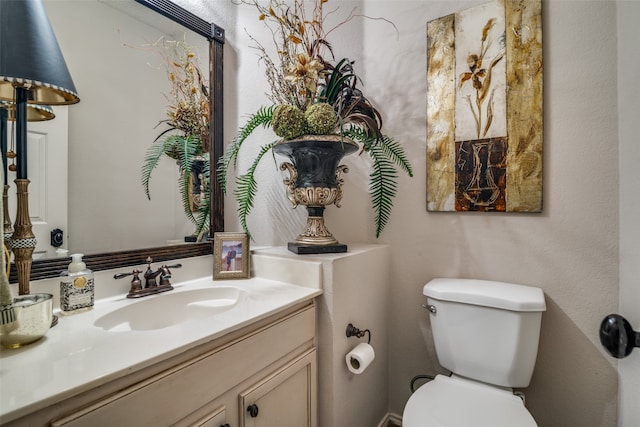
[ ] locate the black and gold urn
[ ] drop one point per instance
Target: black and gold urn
(315, 181)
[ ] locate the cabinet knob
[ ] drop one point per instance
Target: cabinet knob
(225, 425)
(253, 410)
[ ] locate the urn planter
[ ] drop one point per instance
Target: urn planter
(315, 181)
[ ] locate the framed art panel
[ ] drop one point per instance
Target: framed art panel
(484, 109)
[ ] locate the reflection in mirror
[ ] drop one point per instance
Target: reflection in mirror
(108, 47)
(118, 68)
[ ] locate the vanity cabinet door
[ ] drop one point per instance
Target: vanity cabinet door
(285, 398)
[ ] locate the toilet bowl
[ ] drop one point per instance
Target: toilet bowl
(486, 333)
(459, 402)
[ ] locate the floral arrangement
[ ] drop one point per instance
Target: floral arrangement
(479, 77)
(312, 93)
(186, 138)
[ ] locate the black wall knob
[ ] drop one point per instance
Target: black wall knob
(57, 237)
(617, 336)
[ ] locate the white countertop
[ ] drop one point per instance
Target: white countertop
(76, 355)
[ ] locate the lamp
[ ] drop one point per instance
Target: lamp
(35, 113)
(32, 69)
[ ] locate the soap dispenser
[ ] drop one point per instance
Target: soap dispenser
(76, 287)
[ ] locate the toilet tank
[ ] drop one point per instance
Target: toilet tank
(486, 330)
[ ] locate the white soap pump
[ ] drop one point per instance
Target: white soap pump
(77, 264)
(76, 286)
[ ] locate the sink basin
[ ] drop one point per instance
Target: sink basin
(170, 308)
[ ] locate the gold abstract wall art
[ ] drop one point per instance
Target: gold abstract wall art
(484, 109)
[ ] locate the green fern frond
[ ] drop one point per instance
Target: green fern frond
(189, 149)
(185, 150)
(261, 118)
(203, 213)
(247, 187)
(387, 155)
(383, 187)
(200, 217)
(188, 154)
(152, 158)
(392, 148)
(395, 152)
(185, 178)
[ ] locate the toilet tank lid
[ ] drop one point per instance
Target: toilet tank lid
(507, 296)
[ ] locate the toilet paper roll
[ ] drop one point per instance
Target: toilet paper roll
(360, 358)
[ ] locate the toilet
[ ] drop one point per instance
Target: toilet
(486, 333)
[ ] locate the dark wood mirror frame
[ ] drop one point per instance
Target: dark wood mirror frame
(42, 269)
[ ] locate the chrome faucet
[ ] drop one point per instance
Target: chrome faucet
(151, 285)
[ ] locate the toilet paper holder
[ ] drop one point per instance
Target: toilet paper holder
(352, 331)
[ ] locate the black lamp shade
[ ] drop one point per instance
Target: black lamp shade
(35, 113)
(30, 56)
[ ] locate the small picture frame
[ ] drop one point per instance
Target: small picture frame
(230, 256)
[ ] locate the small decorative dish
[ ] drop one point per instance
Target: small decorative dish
(34, 314)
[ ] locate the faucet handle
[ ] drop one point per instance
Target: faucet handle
(165, 274)
(123, 275)
(136, 284)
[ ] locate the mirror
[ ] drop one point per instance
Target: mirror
(113, 198)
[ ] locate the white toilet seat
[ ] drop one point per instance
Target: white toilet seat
(458, 402)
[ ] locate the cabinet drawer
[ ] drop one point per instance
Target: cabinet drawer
(168, 397)
(211, 415)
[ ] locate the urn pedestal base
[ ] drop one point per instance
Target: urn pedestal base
(316, 237)
(302, 249)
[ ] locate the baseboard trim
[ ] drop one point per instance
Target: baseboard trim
(391, 420)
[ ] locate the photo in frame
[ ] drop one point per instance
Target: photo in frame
(484, 109)
(230, 256)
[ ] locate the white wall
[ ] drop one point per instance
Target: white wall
(570, 250)
(628, 113)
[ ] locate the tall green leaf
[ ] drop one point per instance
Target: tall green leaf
(386, 154)
(247, 187)
(185, 150)
(261, 118)
(180, 148)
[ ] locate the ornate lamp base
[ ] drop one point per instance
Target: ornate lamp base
(23, 241)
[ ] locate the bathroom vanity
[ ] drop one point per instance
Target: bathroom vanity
(250, 360)
(159, 364)
(264, 376)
